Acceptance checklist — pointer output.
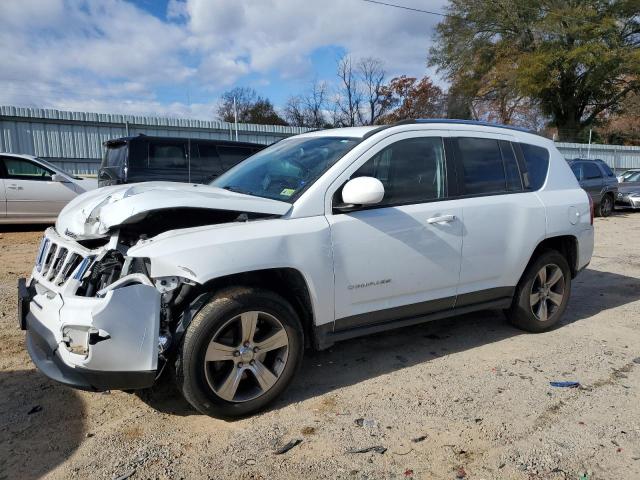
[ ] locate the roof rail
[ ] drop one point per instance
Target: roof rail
(452, 121)
(473, 122)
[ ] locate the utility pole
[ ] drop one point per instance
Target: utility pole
(589, 147)
(235, 116)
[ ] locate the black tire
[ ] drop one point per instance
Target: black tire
(194, 374)
(606, 205)
(522, 313)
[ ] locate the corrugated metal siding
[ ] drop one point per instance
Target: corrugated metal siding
(616, 156)
(73, 140)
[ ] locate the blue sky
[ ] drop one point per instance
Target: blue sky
(175, 57)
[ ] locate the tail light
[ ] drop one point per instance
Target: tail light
(591, 207)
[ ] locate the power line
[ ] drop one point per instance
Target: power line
(448, 15)
(419, 10)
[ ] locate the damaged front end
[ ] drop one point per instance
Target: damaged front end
(95, 319)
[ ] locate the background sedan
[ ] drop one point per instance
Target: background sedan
(33, 190)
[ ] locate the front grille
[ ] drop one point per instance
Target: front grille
(56, 262)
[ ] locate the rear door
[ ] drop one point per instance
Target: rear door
(592, 180)
(158, 160)
(500, 217)
(31, 192)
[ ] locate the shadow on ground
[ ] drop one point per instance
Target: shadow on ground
(41, 424)
(356, 360)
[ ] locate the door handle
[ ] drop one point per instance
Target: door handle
(441, 219)
(14, 187)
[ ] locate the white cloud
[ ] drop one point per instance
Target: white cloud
(113, 56)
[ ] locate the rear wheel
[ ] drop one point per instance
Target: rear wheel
(606, 206)
(239, 353)
(542, 294)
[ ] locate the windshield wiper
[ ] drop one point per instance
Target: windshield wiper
(236, 189)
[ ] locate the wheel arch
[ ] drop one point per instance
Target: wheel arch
(566, 245)
(287, 282)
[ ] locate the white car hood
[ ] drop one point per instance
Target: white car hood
(94, 213)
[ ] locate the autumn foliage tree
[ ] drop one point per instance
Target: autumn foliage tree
(575, 59)
(408, 97)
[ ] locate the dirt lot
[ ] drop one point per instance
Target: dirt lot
(462, 398)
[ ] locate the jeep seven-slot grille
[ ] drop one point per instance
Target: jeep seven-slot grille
(56, 263)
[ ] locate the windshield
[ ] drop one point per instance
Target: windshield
(285, 169)
(633, 177)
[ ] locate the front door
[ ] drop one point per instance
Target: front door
(401, 258)
(31, 192)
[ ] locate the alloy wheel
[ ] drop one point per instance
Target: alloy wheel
(246, 356)
(547, 292)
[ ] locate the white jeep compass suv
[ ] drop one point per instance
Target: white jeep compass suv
(319, 238)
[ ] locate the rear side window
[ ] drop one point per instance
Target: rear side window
(590, 171)
(231, 156)
(577, 170)
(167, 156)
(607, 170)
(115, 155)
(511, 169)
(208, 161)
(482, 166)
(537, 161)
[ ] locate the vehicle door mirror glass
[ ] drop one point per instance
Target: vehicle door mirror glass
(363, 191)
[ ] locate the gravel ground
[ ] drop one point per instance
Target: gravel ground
(461, 398)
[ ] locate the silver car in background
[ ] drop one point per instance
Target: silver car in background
(33, 190)
(629, 192)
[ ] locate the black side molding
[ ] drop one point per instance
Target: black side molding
(388, 319)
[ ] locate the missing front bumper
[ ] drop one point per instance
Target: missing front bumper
(124, 357)
(43, 350)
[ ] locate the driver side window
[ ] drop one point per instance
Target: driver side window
(21, 169)
(411, 170)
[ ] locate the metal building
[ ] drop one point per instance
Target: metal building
(73, 140)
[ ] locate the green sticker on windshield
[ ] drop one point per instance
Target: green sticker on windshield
(287, 192)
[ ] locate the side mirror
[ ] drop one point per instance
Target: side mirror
(56, 177)
(363, 191)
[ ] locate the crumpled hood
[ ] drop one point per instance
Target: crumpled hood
(93, 213)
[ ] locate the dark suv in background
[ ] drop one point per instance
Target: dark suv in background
(145, 159)
(599, 181)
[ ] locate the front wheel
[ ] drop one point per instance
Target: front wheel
(239, 353)
(542, 294)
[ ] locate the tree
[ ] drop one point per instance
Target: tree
(408, 97)
(623, 128)
(245, 99)
(349, 97)
(375, 97)
(574, 59)
(308, 109)
(250, 106)
(263, 113)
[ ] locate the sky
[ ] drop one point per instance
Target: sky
(175, 57)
